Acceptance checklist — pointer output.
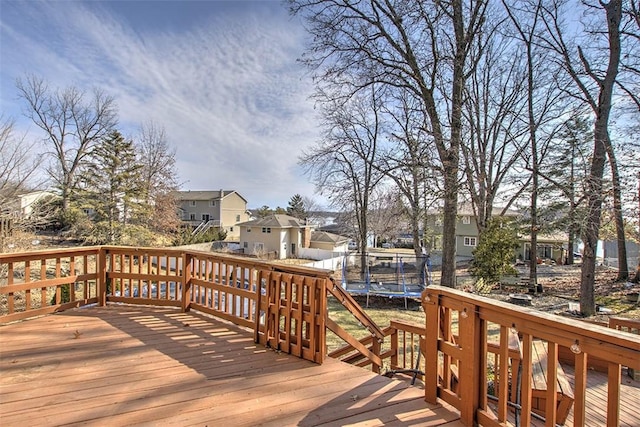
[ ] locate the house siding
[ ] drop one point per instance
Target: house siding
(228, 210)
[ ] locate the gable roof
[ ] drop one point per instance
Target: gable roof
(325, 237)
(466, 209)
(276, 221)
(205, 195)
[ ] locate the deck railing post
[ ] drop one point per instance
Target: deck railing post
(394, 348)
(101, 273)
(430, 304)
(471, 344)
(187, 259)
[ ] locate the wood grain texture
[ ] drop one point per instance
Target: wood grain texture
(124, 365)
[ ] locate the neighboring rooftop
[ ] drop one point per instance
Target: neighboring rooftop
(277, 221)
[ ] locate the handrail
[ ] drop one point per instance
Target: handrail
(400, 354)
(458, 328)
(285, 305)
(45, 281)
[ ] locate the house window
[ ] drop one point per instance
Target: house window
(266, 229)
(206, 217)
(466, 220)
(237, 218)
(213, 203)
(230, 229)
(248, 229)
(192, 216)
(192, 203)
(245, 245)
(470, 241)
(545, 251)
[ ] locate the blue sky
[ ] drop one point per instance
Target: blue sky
(221, 77)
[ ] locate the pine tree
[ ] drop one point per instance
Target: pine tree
(565, 175)
(113, 190)
(296, 207)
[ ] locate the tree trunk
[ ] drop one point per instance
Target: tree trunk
(592, 229)
(449, 231)
(601, 137)
(623, 266)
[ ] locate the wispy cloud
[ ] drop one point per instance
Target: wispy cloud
(228, 91)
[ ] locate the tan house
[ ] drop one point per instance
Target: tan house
(329, 242)
(284, 236)
(205, 209)
(279, 235)
(551, 247)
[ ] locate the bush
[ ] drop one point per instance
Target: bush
(495, 253)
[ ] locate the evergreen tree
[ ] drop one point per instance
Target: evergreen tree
(264, 211)
(495, 253)
(296, 207)
(565, 174)
(113, 190)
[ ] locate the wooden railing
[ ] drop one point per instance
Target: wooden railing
(42, 282)
(400, 351)
(284, 305)
(459, 327)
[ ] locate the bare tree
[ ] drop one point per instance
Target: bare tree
(17, 165)
(342, 164)
(594, 79)
(564, 171)
(492, 116)
(542, 101)
(408, 162)
(158, 160)
(159, 176)
(421, 48)
(72, 122)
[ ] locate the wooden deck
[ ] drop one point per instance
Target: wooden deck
(125, 365)
(597, 398)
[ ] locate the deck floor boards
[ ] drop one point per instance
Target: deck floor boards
(124, 365)
(596, 398)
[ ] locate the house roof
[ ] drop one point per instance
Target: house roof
(325, 237)
(205, 195)
(276, 221)
(546, 238)
(467, 210)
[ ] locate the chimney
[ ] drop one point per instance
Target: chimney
(221, 193)
(306, 236)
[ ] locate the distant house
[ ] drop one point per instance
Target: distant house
(29, 200)
(550, 247)
(283, 236)
(466, 230)
(329, 241)
(205, 209)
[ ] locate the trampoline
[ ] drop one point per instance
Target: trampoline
(398, 288)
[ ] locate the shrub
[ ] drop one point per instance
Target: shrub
(495, 253)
